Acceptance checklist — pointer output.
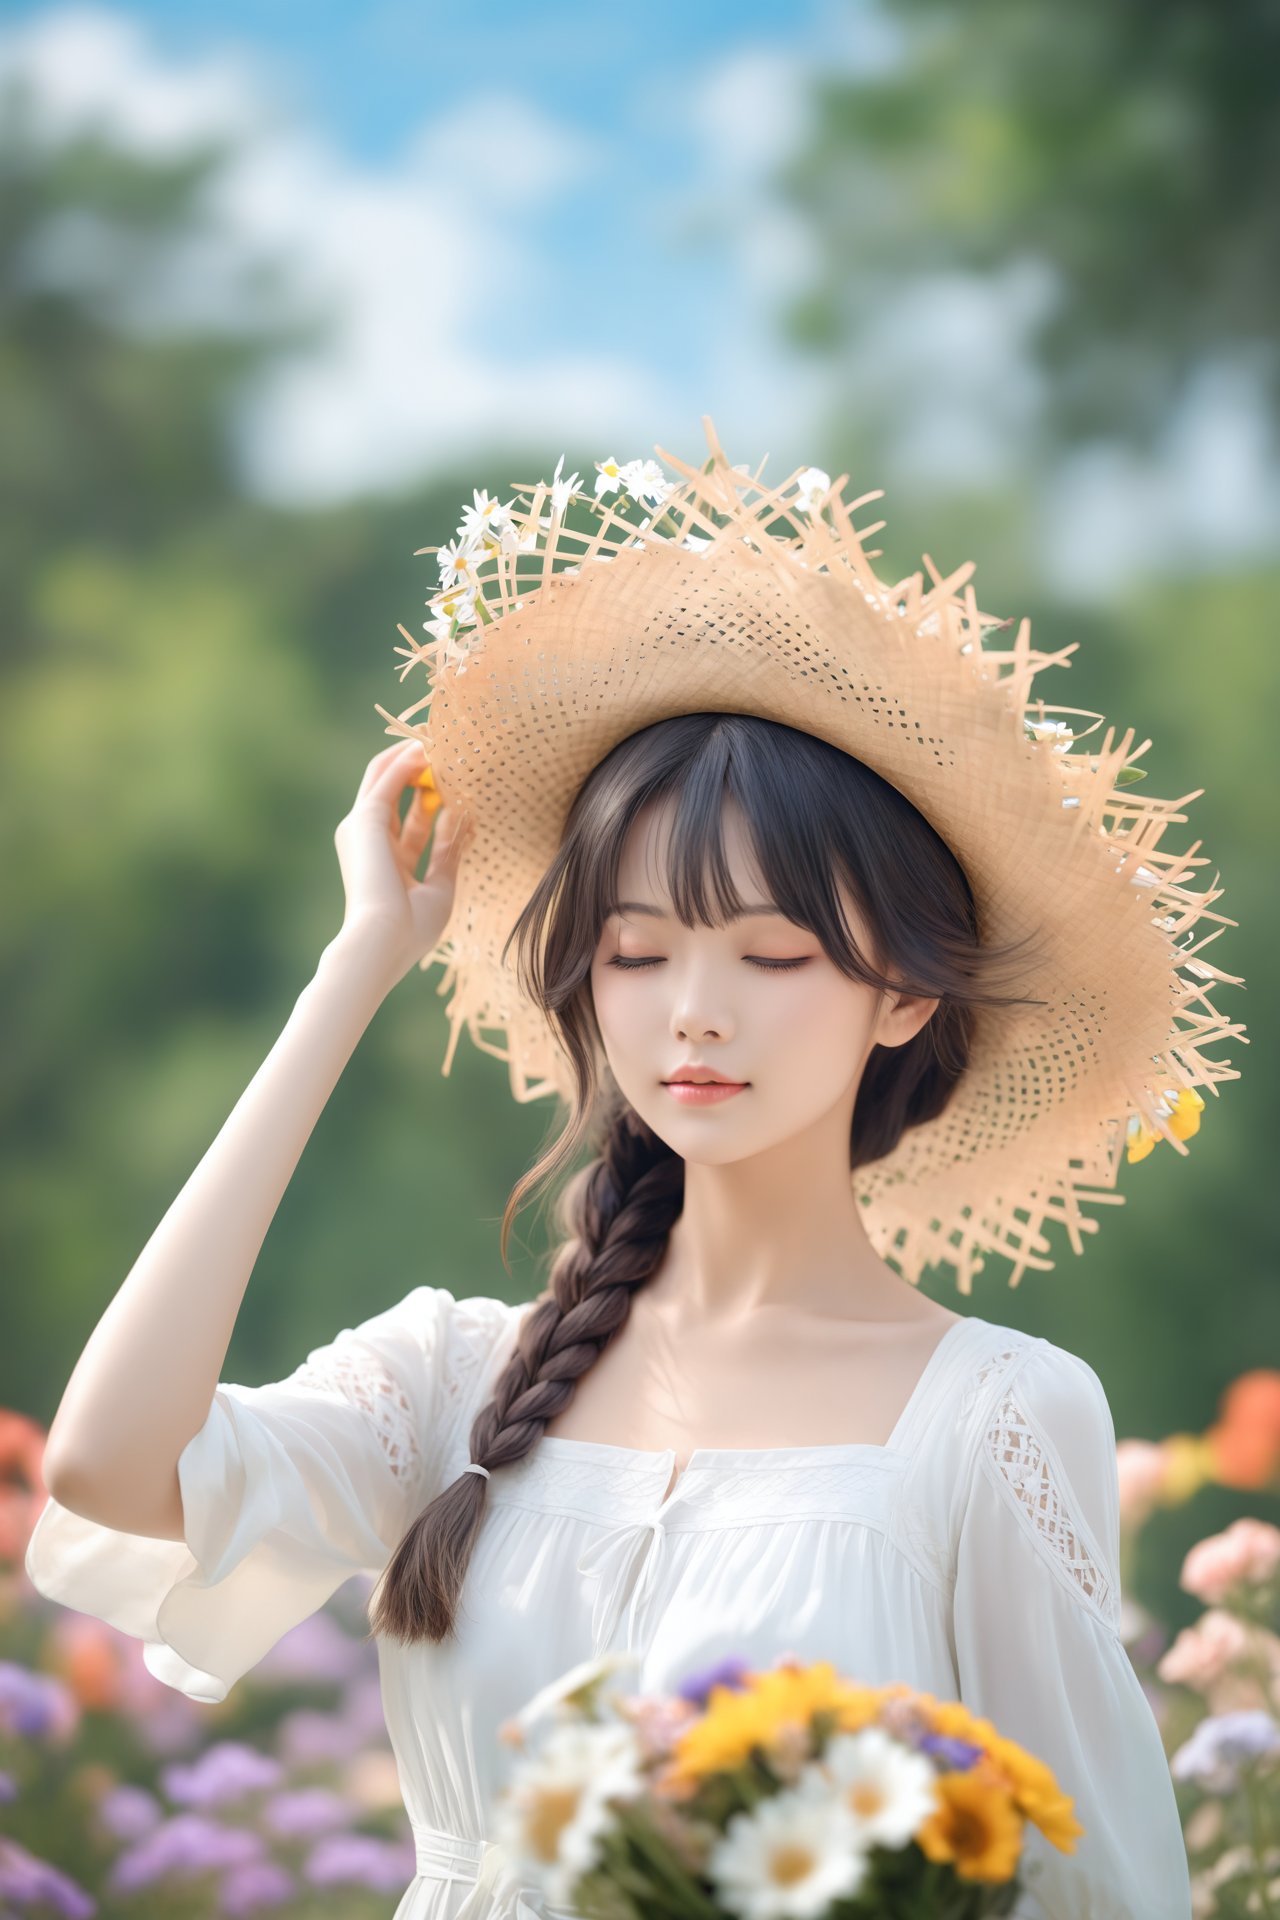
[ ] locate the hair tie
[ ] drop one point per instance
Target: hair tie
(473, 1466)
(1033, 809)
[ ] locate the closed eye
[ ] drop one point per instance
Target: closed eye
(770, 966)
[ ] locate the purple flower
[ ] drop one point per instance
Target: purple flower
(129, 1812)
(358, 1859)
(952, 1753)
(225, 1772)
(307, 1737)
(316, 1649)
(33, 1705)
(169, 1727)
(303, 1813)
(184, 1847)
(696, 1687)
(1221, 1744)
(26, 1881)
(261, 1883)
(362, 1707)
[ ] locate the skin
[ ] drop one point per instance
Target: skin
(144, 1383)
(771, 1320)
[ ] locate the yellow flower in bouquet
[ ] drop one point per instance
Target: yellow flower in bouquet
(1033, 1787)
(977, 1828)
(791, 1791)
(738, 1719)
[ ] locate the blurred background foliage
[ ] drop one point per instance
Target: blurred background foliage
(189, 679)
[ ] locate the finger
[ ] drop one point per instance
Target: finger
(406, 769)
(380, 776)
(415, 828)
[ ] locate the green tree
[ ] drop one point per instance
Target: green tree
(187, 693)
(1129, 153)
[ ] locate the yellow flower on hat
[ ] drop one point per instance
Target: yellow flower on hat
(1181, 1109)
(429, 794)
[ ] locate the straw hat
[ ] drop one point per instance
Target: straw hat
(549, 644)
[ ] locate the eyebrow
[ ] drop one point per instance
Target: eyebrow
(752, 911)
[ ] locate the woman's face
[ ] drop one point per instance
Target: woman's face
(757, 1000)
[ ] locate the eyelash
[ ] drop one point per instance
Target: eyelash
(769, 966)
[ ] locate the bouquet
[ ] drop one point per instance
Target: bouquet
(789, 1793)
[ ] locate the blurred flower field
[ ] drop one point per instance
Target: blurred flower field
(121, 1797)
(118, 1795)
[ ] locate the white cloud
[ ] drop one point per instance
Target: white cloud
(428, 359)
(92, 69)
(405, 263)
(743, 117)
(1211, 496)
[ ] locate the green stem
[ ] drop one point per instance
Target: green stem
(669, 1869)
(1258, 1838)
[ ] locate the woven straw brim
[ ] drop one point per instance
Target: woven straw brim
(798, 628)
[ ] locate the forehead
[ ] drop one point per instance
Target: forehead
(646, 853)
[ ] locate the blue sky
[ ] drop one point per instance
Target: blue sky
(371, 72)
(549, 224)
(557, 228)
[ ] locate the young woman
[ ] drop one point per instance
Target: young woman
(728, 1424)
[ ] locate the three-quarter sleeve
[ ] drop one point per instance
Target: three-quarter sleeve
(287, 1490)
(1037, 1642)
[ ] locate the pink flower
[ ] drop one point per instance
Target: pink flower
(1247, 1554)
(1142, 1467)
(1201, 1654)
(1225, 1659)
(658, 1720)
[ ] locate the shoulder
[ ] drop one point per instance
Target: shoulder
(432, 1340)
(1025, 1402)
(1007, 1366)
(1040, 1437)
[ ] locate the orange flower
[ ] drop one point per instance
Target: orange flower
(1254, 1397)
(85, 1654)
(22, 1489)
(429, 794)
(1245, 1441)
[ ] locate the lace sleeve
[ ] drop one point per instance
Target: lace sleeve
(1039, 1460)
(1035, 1622)
(354, 1372)
(288, 1489)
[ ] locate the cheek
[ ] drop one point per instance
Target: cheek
(818, 1026)
(622, 1005)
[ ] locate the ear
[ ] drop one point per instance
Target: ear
(901, 1017)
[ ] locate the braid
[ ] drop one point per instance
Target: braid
(618, 1212)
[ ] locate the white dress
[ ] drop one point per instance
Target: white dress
(974, 1555)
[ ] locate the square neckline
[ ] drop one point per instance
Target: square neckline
(704, 1459)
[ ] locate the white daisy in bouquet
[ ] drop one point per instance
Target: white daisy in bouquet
(785, 1793)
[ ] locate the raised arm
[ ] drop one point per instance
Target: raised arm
(145, 1381)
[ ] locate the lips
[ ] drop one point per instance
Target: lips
(704, 1093)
